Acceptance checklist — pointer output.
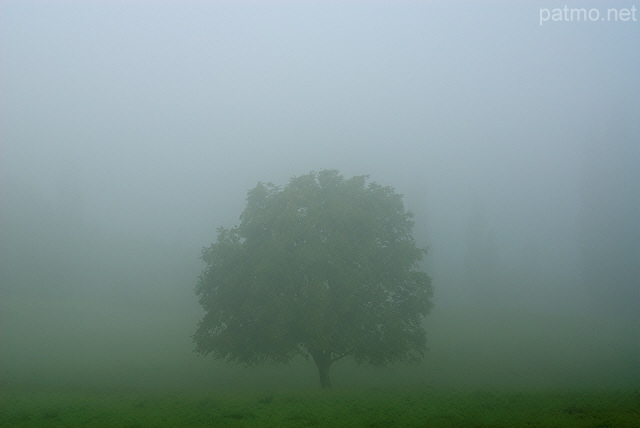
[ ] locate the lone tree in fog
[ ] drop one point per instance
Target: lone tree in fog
(324, 267)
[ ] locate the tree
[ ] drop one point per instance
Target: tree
(610, 218)
(324, 267)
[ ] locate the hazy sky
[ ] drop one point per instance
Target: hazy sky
(131, 130)
(161, 115)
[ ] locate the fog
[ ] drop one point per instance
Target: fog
(130, 131)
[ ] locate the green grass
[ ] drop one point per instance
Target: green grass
(418, 407)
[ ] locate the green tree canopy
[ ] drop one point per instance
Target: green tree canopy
(324, 267)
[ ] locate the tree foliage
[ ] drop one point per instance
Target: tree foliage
(324, 267)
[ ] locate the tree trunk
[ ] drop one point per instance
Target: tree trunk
(323, 362)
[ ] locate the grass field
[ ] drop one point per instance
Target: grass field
(418, 407)
(87, 365)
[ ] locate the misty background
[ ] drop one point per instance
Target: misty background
(130, 131)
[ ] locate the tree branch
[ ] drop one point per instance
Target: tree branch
(333, 360)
